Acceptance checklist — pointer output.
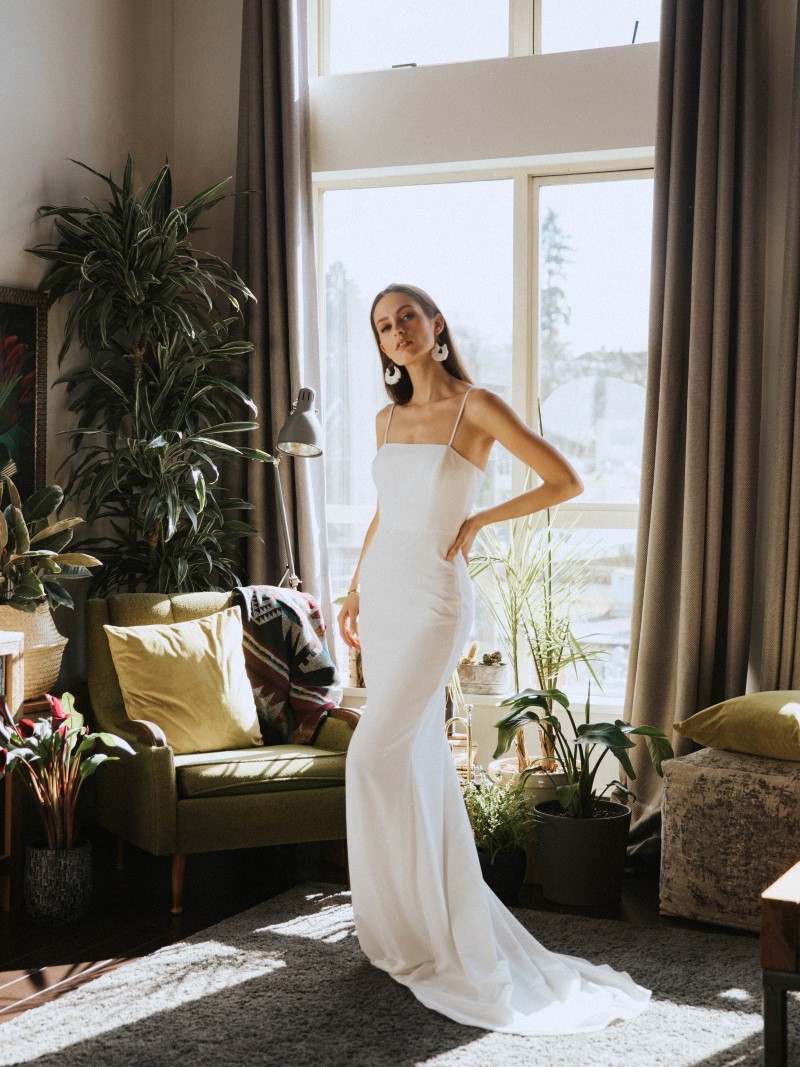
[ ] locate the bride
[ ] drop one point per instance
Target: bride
(422, 910)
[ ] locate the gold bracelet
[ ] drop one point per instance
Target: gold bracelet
(354, 590)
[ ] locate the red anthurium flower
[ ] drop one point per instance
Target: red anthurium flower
(57, 710)
(25, 728)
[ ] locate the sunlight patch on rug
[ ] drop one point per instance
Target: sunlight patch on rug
(184, 973)
(332, 924)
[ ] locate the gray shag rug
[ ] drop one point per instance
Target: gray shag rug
(285, 983)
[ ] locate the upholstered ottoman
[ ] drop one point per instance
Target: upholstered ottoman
(730, 827)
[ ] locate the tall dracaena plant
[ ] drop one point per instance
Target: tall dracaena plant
(155, 394)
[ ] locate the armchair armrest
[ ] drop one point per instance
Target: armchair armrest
(148, 733)
(337, 730)
(348, 715)
(137, 798)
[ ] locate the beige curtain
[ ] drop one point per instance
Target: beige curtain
(694, 576)
(780, 655)
(274, 253)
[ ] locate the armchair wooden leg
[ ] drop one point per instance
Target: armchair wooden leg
(120, 854)
(178, 872)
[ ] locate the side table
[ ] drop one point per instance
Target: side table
(780, 960)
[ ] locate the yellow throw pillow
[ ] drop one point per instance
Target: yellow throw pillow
(763, 724)
(189, 678)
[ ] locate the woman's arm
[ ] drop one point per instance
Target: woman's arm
(348, 615)
(560, 481)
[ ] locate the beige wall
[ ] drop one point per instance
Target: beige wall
(88, 80)
(206, 63)
(85, 80)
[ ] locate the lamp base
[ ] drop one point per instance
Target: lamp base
(294, 581)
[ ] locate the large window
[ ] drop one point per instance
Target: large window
(589, 236)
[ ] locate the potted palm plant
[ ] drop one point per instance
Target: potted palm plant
(154, 388)
(33, 566)
(500, 819)
(54, 756)
(582, 836)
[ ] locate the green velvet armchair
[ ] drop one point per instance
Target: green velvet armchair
(170, 804)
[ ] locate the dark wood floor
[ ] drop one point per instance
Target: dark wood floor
(129, 916)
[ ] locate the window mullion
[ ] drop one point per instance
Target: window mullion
(522, 16)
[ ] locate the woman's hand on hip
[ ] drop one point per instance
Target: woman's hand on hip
(464, 539)
(348, 620)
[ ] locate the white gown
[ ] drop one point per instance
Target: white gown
(422, 910)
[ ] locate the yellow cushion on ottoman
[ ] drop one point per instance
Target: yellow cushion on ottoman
(189, 678)
(762, 724)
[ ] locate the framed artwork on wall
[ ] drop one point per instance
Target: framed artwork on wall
(23, 385)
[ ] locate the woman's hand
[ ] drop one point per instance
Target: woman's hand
(464, 538)
(348, 620)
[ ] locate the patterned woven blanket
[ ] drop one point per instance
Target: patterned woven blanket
(295, 681)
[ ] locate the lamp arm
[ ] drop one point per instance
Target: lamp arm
(294, 581)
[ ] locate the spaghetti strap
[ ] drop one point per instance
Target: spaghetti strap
(386, 431)
(458, 418)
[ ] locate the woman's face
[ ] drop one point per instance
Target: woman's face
(405, 331)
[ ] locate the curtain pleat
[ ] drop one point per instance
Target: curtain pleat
(274, 253)
(780, 657)
(694, 574)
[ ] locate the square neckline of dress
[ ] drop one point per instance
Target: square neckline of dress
(432, 444)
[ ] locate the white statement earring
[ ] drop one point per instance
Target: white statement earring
(392, 374)
(440, 352)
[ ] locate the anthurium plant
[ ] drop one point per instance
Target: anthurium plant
(54, 756)
(579, 756)
(33, 560)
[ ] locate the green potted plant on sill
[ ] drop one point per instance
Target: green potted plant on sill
(500, 818)
(583, 837)
(33, 564)
(531, 584)
(54, 756)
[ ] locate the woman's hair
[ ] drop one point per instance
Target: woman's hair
(402, 391)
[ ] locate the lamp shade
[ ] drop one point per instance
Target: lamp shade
(301, 434)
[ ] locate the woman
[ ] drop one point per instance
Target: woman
(422, 910)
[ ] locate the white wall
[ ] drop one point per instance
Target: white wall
(544, 107)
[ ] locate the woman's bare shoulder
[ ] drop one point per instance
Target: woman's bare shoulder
(484, 401)
(380, 423)
(382, 416)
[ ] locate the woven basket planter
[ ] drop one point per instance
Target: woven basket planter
(44, 646)
(58, 883)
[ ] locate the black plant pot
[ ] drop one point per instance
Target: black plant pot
(583, 860)
(504, 876)
(58, 883)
